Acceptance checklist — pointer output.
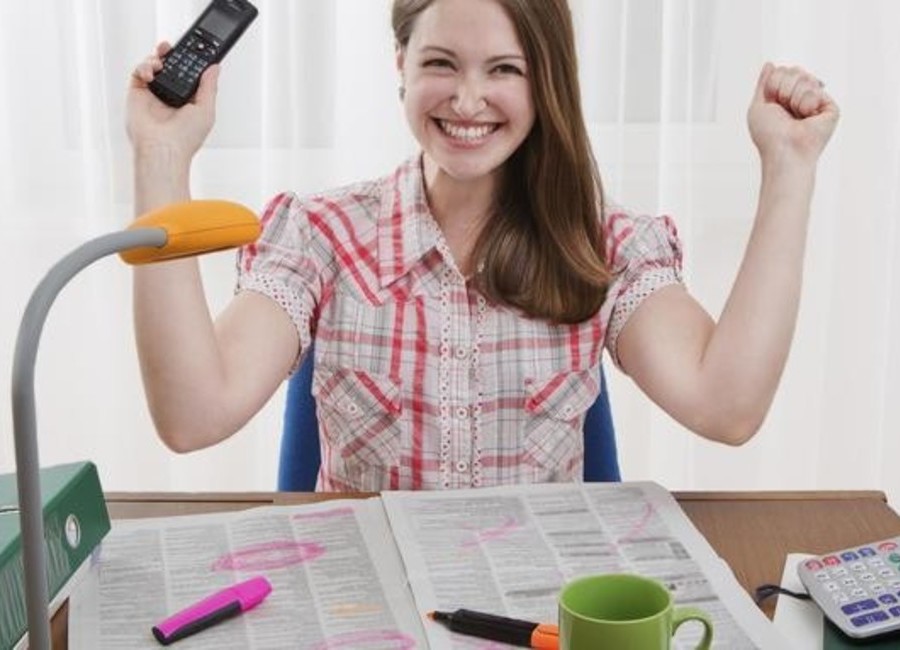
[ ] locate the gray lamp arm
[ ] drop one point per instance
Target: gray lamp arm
(24, 420)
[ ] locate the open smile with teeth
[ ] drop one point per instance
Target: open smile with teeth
(466, 133)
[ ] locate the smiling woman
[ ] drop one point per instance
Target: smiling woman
(477, 76)
(308, 100)
(461, 304)
(465, 78)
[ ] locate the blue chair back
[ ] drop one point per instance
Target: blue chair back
(298, 466)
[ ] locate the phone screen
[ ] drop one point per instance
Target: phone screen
(218, 23)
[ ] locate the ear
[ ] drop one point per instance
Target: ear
(399, 57)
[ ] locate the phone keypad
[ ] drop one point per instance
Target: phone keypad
(857, 588)
(185, 63)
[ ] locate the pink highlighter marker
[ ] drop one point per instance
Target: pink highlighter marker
(214, 609)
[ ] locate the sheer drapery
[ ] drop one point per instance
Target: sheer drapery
(308, 99)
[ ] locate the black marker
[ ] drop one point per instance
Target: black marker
(542, 636)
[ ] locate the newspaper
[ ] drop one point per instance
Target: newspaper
(361, 574)
(508, 551)
(337, 580)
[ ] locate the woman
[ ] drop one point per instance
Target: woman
(459, 305)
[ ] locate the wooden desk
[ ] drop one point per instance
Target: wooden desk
(752, 531)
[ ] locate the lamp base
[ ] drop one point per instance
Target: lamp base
(75, 522)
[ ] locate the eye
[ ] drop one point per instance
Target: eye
(508, 68)
(437, 63)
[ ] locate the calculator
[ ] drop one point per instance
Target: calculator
(858, 588)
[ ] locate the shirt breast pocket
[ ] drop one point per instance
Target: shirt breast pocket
(555, 408)
(360, 413)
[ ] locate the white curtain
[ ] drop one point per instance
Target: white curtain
(308, 100)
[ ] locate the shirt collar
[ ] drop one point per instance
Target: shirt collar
(406, 229)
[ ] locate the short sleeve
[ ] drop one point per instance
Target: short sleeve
(282, 265)
(644, 254)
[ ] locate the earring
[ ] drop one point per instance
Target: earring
(402, 92)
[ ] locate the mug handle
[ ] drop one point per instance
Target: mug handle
(684, 614)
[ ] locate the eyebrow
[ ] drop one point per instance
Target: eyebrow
(493, 59)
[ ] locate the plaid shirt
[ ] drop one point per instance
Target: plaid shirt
(420, 383)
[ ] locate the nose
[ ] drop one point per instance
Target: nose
(469, 99)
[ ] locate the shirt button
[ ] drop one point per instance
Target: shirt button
(462, 412)
(351, 408)
(461, 352)
(462, 466)
(567, 410)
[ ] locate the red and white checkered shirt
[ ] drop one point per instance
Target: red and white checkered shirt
(420, 382)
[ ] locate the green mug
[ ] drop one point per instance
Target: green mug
(622, 612)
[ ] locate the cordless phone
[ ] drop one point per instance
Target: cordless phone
(205, 43)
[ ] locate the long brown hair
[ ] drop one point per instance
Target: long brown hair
(542, 249)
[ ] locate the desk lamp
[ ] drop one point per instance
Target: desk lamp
(177, 230)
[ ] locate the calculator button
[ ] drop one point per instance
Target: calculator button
(858, 566)
(831, 560)
(869, 619)
(857, 592)
(886, 573)
(821, 576)
(877, 588)
(868, 577)
(840, 597)
(867, 551)
(895, 611)
(848, 582)
(831, 586)
(813, 565)
(849, 556)
(876, 562)
(884, 547)
(887, 599)
(859, 606)
(839, 572)
(894, 557)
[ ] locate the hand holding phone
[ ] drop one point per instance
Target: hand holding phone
(206, 42)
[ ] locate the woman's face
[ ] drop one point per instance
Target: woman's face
(468, 96)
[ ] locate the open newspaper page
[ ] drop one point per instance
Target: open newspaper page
(509, 550)
(337, 580)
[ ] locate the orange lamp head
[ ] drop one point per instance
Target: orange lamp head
(194, 228)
